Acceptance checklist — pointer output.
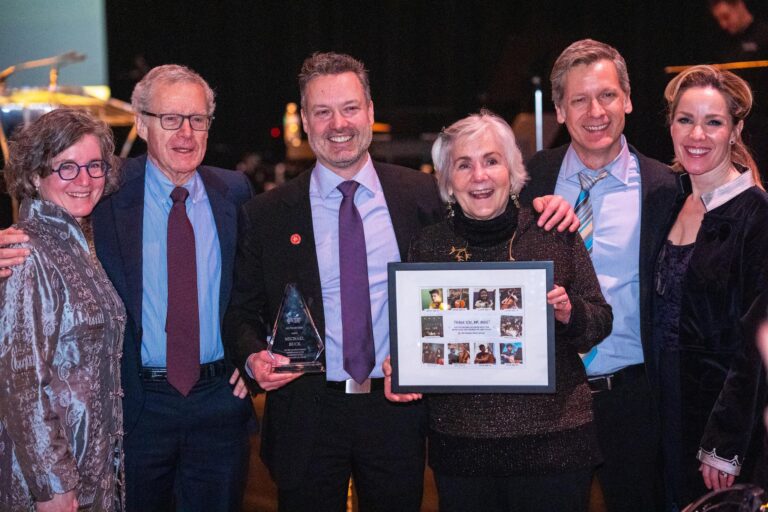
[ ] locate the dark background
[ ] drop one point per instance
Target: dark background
(431, 62)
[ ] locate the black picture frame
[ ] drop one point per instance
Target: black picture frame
(473, 353)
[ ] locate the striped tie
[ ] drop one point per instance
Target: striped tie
(583, 211)
(583, 206)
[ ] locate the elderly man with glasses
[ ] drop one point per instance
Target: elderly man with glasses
(167, 241)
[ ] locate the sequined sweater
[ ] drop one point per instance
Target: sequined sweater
(508, 434)
(61, 333)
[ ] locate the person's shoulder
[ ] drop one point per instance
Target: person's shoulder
(233, 185)
(648, 164)
(403, 173)
(547, 158)
(288, 193)
(756, 200)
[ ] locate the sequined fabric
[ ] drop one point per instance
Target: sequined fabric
(61, 334)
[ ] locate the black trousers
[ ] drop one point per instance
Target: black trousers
(188, 453)
(560, 492)
(380, 444)
(627, 429)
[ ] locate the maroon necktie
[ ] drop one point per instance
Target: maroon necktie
(357, 326)
(182, 323)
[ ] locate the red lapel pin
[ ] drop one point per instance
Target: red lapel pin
(295, 239)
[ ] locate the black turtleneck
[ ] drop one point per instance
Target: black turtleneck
(486, 233)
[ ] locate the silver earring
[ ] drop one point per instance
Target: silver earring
(449, 210)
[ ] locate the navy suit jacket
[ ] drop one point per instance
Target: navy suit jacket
(117, 229)
(269, 258)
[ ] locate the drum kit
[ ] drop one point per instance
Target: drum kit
(739, 498)
(21, 106)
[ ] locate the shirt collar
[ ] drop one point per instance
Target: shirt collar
(728, 191)
(618, 168)
(326, 180)
(159, 184)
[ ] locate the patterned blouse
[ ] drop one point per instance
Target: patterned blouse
(61, 335)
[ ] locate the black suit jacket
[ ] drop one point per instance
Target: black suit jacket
(658, 186)
(267, 260)
(117, 227)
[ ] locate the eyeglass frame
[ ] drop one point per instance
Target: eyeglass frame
(107, 168)
(183, 118)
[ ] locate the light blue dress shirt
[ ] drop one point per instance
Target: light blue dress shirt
(380, 245)
(154, 305)
(616, 208)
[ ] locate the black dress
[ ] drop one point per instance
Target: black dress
(670, 270)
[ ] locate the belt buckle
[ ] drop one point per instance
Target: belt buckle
(353, 388)
(608, 382)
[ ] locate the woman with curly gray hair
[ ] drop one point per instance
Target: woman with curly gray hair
(61, 327)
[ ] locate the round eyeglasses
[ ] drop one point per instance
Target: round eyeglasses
(197, 122)
(68, 171)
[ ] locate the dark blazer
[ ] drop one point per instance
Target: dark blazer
(117, 228)
(722, 382)
(658, 198)
(268, 258)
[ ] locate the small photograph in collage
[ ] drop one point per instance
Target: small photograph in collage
(431, 326)
(458, 298)
(458, 353)
(483, 298)
(512, 353)
(484, 353)
(433, 353)
(432, 299)
(511, 298)
(511, 326)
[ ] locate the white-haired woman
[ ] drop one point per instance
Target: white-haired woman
(511, 451)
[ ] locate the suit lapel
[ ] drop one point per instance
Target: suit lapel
(398, 209)
(129, 217)
(224, 213)
(303, 256)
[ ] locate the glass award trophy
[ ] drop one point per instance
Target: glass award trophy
(295, 335)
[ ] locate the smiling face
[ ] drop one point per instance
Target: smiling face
(479, 176)
(177, 153)
(593, 110)
(339, 122)
(701, 131)
(78, 196)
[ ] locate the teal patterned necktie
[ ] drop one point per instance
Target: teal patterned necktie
(583, 211)
(583, 208)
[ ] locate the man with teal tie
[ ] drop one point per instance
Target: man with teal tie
(622, 199)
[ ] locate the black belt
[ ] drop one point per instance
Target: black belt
(617, 379)
(207, 371)
(377, 384)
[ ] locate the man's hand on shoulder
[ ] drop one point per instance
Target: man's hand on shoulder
(11, 257)
(261, 365)
(555, 211)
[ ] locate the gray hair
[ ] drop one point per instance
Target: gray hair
(470, 128)
(33, 148)
(168, 74)
(330, 63)
(585, 51)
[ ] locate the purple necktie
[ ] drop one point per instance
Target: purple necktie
(182, 324)
(357, 326)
